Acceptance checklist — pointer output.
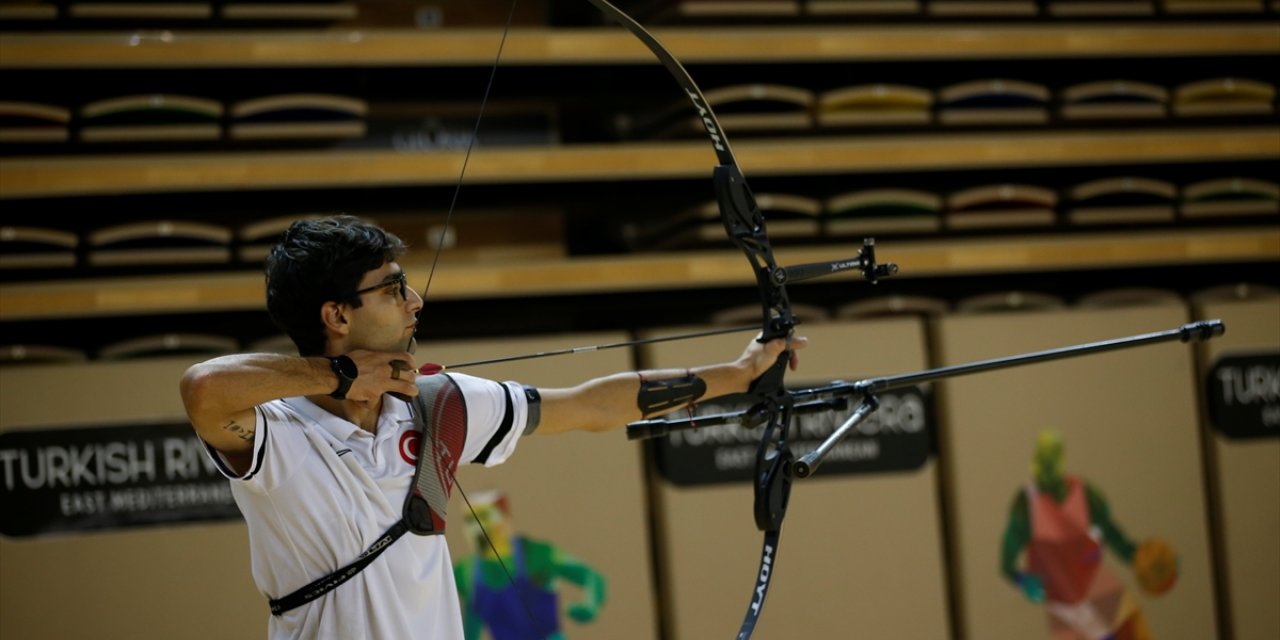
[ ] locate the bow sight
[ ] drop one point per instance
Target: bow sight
(865, 262)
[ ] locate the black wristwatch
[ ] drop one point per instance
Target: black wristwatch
(346, 370)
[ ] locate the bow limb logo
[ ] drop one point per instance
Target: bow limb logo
(763, 582)
(704, 113)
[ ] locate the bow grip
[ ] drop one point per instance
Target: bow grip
(771, 379)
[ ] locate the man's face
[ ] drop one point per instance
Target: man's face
(388, 316)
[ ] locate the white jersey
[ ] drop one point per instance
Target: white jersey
(320, 490)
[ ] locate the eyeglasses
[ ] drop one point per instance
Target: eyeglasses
(397, 279)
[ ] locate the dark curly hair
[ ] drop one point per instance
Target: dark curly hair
(318, 261)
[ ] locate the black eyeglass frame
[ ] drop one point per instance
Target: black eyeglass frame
(399, 278)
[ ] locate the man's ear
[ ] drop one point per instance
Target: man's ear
(334, 316)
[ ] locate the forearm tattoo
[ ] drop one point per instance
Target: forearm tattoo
(244, 433)
(658, 396)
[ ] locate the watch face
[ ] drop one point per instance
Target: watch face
(345, 367)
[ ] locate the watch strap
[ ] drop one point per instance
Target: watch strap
(338, 364)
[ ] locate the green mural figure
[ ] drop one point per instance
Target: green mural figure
(529, 609)
(1063, 524)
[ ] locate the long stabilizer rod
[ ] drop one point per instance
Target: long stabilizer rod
(808, 463)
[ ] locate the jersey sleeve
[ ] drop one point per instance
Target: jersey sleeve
(498, 413)
(277, 448)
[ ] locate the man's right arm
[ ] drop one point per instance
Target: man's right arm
(220, 394)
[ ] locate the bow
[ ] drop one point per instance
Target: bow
(744, 223)
(772, 404)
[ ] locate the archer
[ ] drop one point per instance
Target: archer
(317, 446)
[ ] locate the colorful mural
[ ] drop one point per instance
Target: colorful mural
(1064, 525)
(514, 594)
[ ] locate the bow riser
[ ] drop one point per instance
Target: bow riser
(745, 225)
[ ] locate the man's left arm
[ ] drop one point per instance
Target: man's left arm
(608, 402)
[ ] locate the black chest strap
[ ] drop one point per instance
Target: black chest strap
(332, 581)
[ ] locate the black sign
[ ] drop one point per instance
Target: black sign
(107, 478)
(895, 437)
(1244, 395)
